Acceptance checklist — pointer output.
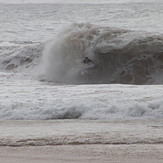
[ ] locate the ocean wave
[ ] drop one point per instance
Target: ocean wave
(18, 56)
(120, 56)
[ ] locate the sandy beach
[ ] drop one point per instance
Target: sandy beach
(83, 154)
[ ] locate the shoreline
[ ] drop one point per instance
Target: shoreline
(80, 132)
(81, 141)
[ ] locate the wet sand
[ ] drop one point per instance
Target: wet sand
(98, 153)
(86, 141)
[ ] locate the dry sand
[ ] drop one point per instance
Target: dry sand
(144, 153)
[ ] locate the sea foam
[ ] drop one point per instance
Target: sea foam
(31, 100)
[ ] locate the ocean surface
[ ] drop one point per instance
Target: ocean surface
(42, 76)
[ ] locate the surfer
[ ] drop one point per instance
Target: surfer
(87, 60)
(90, 65)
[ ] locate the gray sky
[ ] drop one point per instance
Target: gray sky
(48, 1)
(29, 1)
(74, 1)
(56, 1)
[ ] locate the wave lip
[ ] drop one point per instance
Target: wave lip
(122, 56)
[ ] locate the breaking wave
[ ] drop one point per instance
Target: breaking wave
(19, 56)
(120, 56)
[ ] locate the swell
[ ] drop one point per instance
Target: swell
(120, 56)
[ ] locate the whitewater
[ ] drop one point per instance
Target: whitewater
(49, 97)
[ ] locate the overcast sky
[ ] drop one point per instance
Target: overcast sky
(29, 1)
(75, 1)
(51, 1)
(56, 1)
